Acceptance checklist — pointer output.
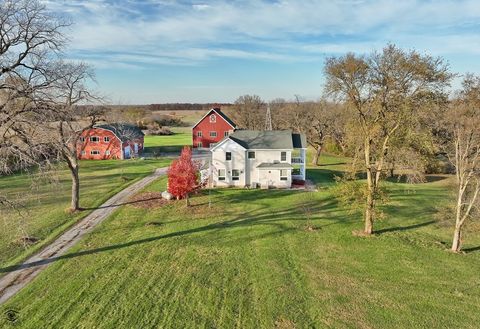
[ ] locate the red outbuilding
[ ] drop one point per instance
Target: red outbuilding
(211, 129)
(110, 141)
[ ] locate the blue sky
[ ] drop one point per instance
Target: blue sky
(156, 51)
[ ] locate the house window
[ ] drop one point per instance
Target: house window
(199, 134)
(82, 153)
(213, 134)
(283, 156)
(107, 152)
(212, 144)
(199, 144)
(82, 139)
(106, 139)
(221, 174)
(225, 134)
(94, 152)
(235, 174)
(283, 174)
(228, 156)
(251, 155)
(94, 139)
(213, 118)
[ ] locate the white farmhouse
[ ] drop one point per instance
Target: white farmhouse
(259, 159)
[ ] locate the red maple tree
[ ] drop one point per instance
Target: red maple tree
(183, 175)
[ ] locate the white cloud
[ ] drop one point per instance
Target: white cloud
(180, 33)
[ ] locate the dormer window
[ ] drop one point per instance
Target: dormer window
(213, 118)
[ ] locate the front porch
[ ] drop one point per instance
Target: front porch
(299, 159)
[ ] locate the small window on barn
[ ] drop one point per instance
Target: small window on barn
(94, 152)
(221, 174)
(235, 174)
(199, 144)
(213, 118)
(94, 139)
(228, 156)
(107, 152)
(199, 134)
(283, 174)
(283, 156)
(251, 155)
(213, 134)
(106, 139)
(225, 134)
(82, 139)
(82, 153)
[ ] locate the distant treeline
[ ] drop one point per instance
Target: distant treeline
(173, 106)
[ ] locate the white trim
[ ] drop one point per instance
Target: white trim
(215, 122)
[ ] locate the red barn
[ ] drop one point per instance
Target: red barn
(211, 129)
(110, 141)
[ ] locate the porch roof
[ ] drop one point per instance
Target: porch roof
(277, 165)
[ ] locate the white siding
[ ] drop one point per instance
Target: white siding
(249, 173)
(264, 156)
(237, 162)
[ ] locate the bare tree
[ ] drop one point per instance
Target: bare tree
(385, 90)
(462, 146)
(68, 120)
(249, 112)
(30, 41)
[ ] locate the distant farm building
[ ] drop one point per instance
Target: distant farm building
(211, 129)
(110, 141)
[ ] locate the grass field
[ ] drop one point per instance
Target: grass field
(251, 261)
(42, 201)
(156, 145)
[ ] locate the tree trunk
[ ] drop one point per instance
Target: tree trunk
(316, 156)
(370, 202)
(457, 239)
(187, 200)
(370, 208)
(75, 202)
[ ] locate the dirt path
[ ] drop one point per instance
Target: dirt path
(20, 276)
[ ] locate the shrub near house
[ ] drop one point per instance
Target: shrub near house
(110, 141)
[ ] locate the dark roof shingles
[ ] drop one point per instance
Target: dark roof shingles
(124, 131)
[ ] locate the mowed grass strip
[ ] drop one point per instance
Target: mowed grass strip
(41, 200)
(250, 261)
(156, 145)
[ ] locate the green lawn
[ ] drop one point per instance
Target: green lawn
(249, 262)
(155, 145)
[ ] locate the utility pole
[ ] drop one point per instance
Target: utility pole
(268, 119)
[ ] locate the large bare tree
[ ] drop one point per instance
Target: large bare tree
(385, 89)
(462, 145)
(249, 112)
(30, 41)
(68, 119)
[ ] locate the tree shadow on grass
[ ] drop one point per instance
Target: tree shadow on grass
(123, 203)
(404, 228)
(471, 249)
(258, 216)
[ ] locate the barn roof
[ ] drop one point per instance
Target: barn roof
(124, 131)
(220, 113)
